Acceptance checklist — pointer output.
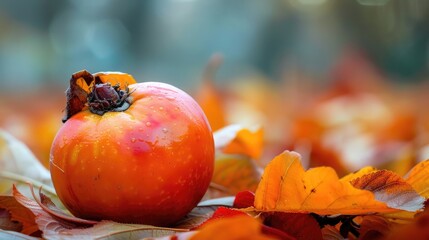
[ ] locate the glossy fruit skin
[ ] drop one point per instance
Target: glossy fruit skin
(150, 164)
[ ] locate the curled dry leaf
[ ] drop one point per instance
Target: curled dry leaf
(19, 213)
(286, 187)
(16, 158)
(418, 178)
(390, 188)
(237, 139)
(237, 227)
(56, 225)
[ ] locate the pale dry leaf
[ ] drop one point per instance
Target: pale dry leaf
(390, 188)
(16, 157)
(58, 226)
(15, 235)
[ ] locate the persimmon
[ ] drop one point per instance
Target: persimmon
(140, 153)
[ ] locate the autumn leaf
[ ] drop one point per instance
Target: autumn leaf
(6, 222)
(331, 233)
(418, 178)
(244, 199)
(236, 173)
(15, 235)
(286, 187)
(418, 229)
(20, 214)
(361, 172)
(390, 188)
(298, 225)
(374, 227)
(197, 216)
(56, 225)
(16, 159)
(237, 227)
(237, 139)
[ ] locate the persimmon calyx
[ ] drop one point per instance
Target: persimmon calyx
(90, 91)
(107, 98)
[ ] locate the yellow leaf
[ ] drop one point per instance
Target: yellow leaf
(286, 187)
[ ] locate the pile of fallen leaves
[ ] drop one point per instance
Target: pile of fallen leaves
(282, 201)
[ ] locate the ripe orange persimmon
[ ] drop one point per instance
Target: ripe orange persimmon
(141, 153)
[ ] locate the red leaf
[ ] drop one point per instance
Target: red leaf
(276, 233)
(19, 213)
(331, 233)
(6, 223)
(374, 227)
(298, 225)
(244, 199)
(222, 212)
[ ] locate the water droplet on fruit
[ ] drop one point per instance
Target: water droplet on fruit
(148, 124)
(161, 108)
(165, 130)
(133, 140)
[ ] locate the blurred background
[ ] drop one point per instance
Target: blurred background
(343, 81)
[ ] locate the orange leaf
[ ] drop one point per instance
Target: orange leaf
(236, 139)
(238, 227)
(286, 187)
(390, 188)
(418, 178)
(236, 173)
